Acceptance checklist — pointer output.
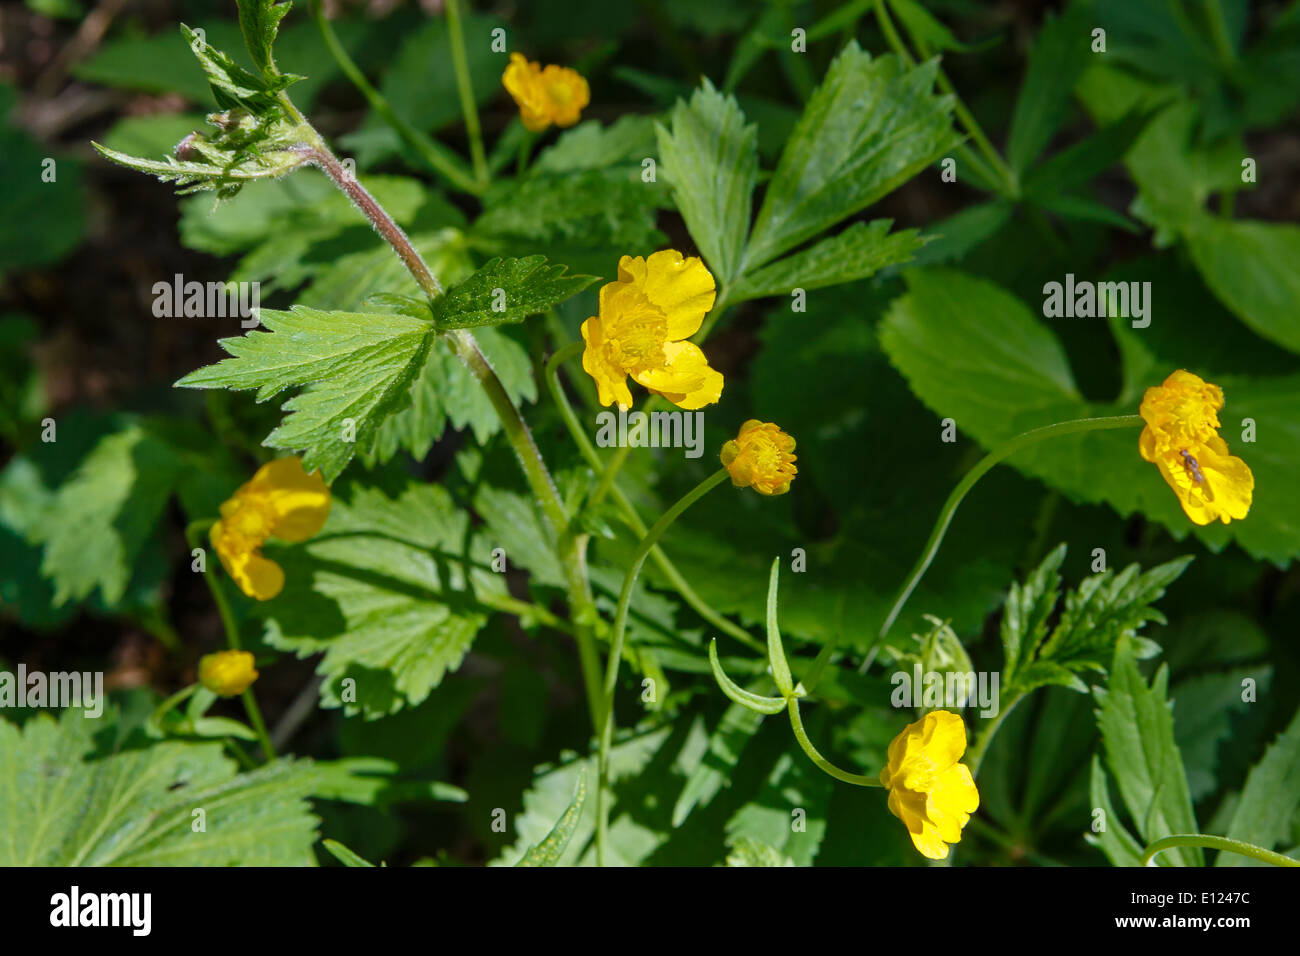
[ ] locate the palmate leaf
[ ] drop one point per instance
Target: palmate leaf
(354, 369)
(506, 290)
(386, 591)
(972, 351)
(1137, 728)
(1059, 55)
(1102, 610)
(870, 126)
(710, 158)
(137, 807)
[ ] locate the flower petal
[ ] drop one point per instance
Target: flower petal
(611, 381)
(682, 288)
(686, 379)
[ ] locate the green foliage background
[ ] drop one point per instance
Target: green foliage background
(816, 169)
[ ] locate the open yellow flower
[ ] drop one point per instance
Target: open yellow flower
(227, 673)
(929, 790)
(281, 500)
(1181, 438)
(645, 316)
(556, 94)
(761, 457)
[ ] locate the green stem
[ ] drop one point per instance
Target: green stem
(1211, 842)
(468, 107)
(1005, 450)
(192, 532)
(801, 735)
(571, 547)
(975, 755)
(607, 479)
(439, 157)
(512, 605)
(616, 648)
(259, 725)
(161, 710)
(628, 510)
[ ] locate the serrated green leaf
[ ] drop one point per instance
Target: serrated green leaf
(99, 519)
(1269, 798)
(1137, 728)
(355, 369)
(137, 807)
(385, 592)
(859, 251)
(869, 127)
(259, 20)
(748, 851)
(789, 811)
(505, 290)
(726, 745)
(710, 158)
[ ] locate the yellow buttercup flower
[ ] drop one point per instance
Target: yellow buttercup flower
(1181, 437)
(281, 500)
(227, 673)
(645, 316)
(556, 94)
(761, 457)
(929, 790)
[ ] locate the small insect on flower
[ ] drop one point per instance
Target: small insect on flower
(555, 94)
(281, 501)
(227, 673)
(1194, 469)
(1182, 439)
(761, 456)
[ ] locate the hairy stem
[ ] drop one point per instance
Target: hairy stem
(439, 157)
(468, 108)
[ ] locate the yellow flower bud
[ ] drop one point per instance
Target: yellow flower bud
(760, 457)
(227, 673)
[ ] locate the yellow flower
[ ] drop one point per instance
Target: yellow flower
(929, 790)
(645, 315)
(228, 673)
(760, 457)
(1182, 439)
(556, 94)
(282, 501)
